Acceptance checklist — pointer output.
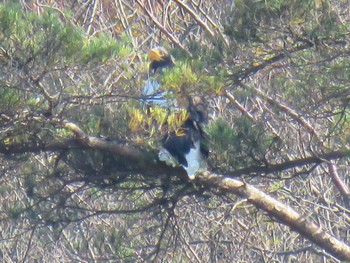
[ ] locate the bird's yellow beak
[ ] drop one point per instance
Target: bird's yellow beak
(154, 55)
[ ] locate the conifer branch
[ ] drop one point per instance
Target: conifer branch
(283, 213)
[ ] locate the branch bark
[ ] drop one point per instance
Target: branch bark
(132, 153)
(280, 211)
(273, 207)
(195, 17)
(162, 28)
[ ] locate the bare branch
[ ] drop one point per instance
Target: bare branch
(283, 213)
(133, 153)
(162, 28)
(195, 17)
(343, 189)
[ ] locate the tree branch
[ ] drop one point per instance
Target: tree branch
(273, 168)
(195, 17)
(310, 129)
(162, 28)
(285, 214)
(133, 154)
(238, 77)
(115, 147)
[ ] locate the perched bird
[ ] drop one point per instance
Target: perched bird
(189, 148)
(160, 59)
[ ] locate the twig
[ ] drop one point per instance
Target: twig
(29, 244)
(343, 189)
(195, 17)
(162, 28)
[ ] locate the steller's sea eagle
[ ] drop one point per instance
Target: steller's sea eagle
(160, 59)
(189, 148)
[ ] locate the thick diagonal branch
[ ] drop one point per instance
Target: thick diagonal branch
(285, 214)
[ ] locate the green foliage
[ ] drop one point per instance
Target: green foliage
(206, 57)
(187, 79)
(103, 47)
(32, 39)
(95, 120)
(180, 78)
(29, 38)
(244, 23)
(325, 83)
(116, 237)
(341, 126)
(9, 98)
(15, 210)
(240, 145)
(45, 46)
(149, 126)
(249, 15)
(251, 138)
(221, 135)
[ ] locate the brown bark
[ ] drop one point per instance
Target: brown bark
(280, 211)
(273, 207)
(133, 153)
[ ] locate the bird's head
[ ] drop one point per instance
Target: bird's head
(160, 58)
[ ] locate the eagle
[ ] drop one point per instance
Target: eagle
(188, 147)
(160, 59)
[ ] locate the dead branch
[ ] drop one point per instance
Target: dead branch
(280, 211)
(162, 28)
